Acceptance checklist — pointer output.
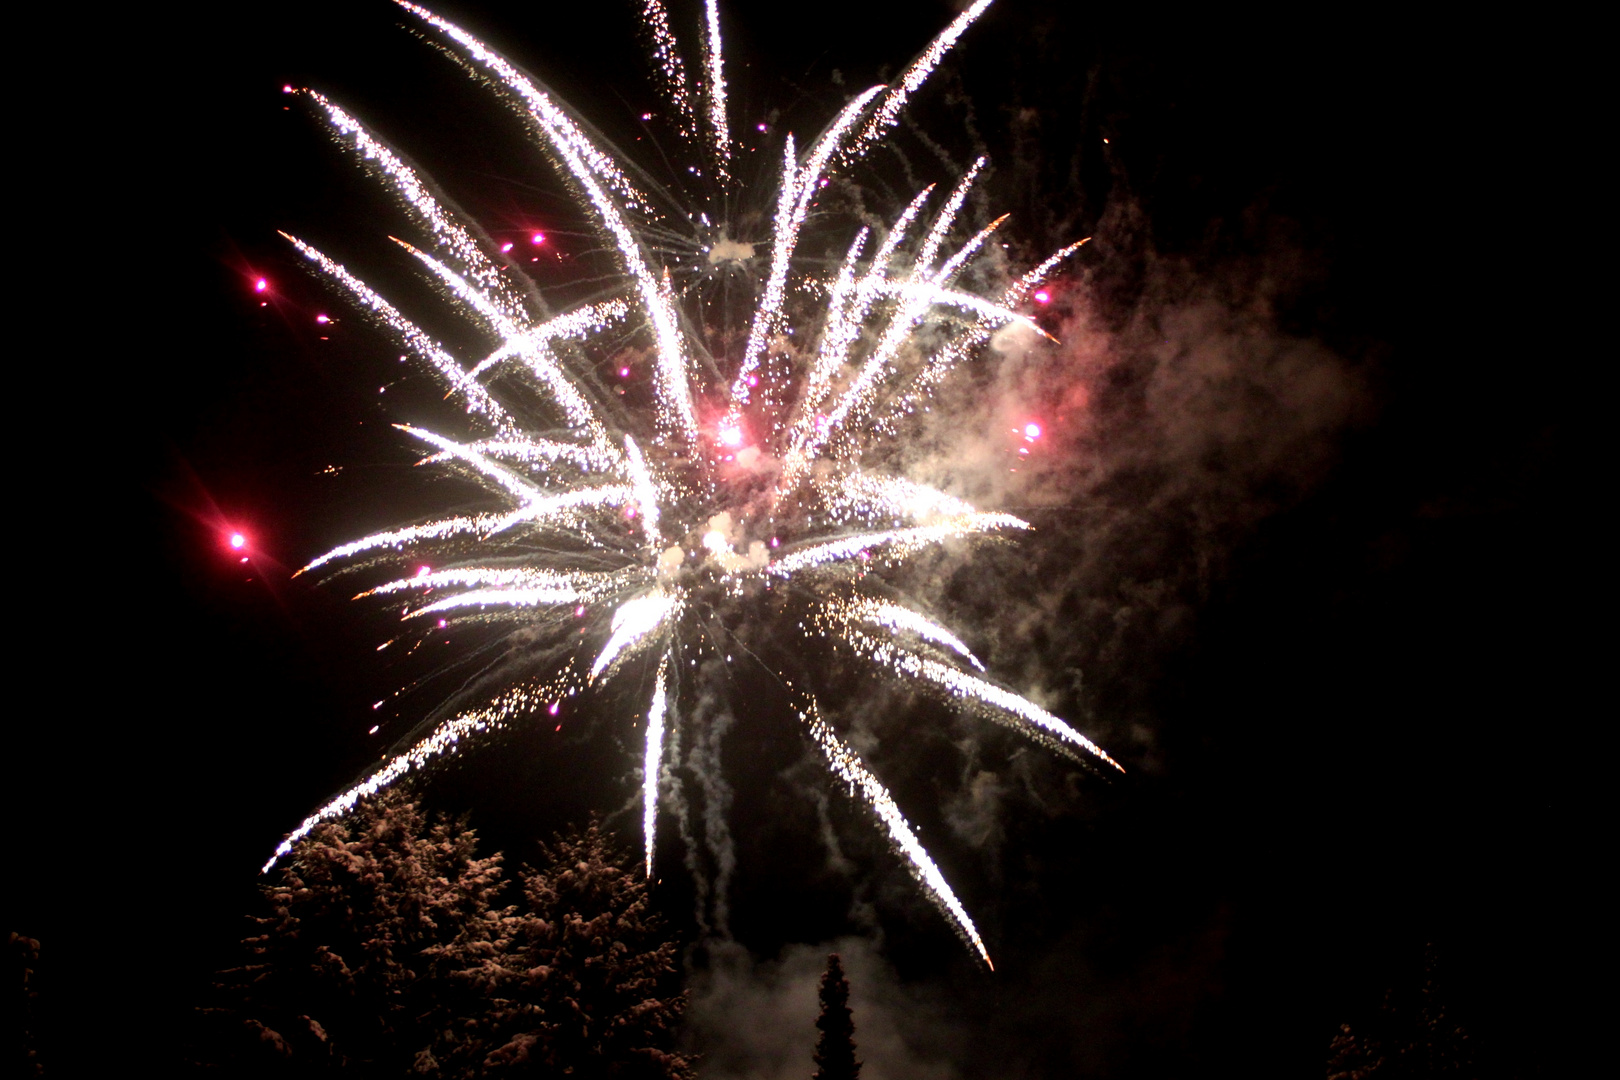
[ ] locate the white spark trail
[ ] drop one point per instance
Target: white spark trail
(652, 760)
(847, 765)
(530, 344)
(887, 114)
(960, 684)
(799, 187)
(633, 622)
(667, 58)
(849, 547)
(895, 618)
(715, 68)
(447, 231)
(478, 399)
(588, 166)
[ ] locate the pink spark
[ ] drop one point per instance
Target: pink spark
(624, 373)
(1032, 431)
(238, 541)
(753, 380)
(731, 435)
(538, 238)
(555, 705)
(506, 247)
(423, 571)
(579, 612)
(761, 127)
(322, 319)
(261, 285)
(441, 624)
(1043, 297)
(646, 116)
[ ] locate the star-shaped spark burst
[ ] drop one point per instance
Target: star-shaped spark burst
(747, 502)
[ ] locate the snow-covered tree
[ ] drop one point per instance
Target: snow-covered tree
(388, 951)
(587, 973)
(835, 1048)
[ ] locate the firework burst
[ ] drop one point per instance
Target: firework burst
(739, 493)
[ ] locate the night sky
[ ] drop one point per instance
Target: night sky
(1309, 557)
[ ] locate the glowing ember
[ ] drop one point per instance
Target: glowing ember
(1032, 431)
(238, 541)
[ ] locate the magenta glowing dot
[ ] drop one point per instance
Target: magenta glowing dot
(555, 705)
(1043, 297)
(260, 285)
(506, 246)
(1032, 430)
(761, 127)
(423, 571)
(238, 541)
(579, 612)
(646, 116)
(244, 558)
(753, 380)
(441, 624)
(624, 373)
(538, 238)
(776, 541)
(731, 435)
(286, 89)
(322, 319)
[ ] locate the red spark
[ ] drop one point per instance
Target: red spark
(624, 373)
(1043, 297)
(538, 239)
(322, 319)
(261, 285)
(506, 246)
(1032, 431)
(238, 541)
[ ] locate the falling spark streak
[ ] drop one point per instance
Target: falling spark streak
(714, 61)
(793, 204)
(667, 59)
(850, 547)
(589, 166)
(653, 760)
(478, 399)
(848, 767)
(962, 685)
(633, 622)
(651, 534)
(888, 113)
(894, 617)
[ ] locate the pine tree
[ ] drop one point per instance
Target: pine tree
(1411, 1038)
(587, 973)
(835, 1048)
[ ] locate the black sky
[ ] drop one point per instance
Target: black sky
(1366, 726)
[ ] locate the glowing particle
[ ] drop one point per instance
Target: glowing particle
(238, 541)
(1042, 296)
(624, 373)
(322, 319)
(731, 435)
(1032, 431)
(537, 239)
(504, 248)
(261, 285)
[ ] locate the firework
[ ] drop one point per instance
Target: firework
(641, 524)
